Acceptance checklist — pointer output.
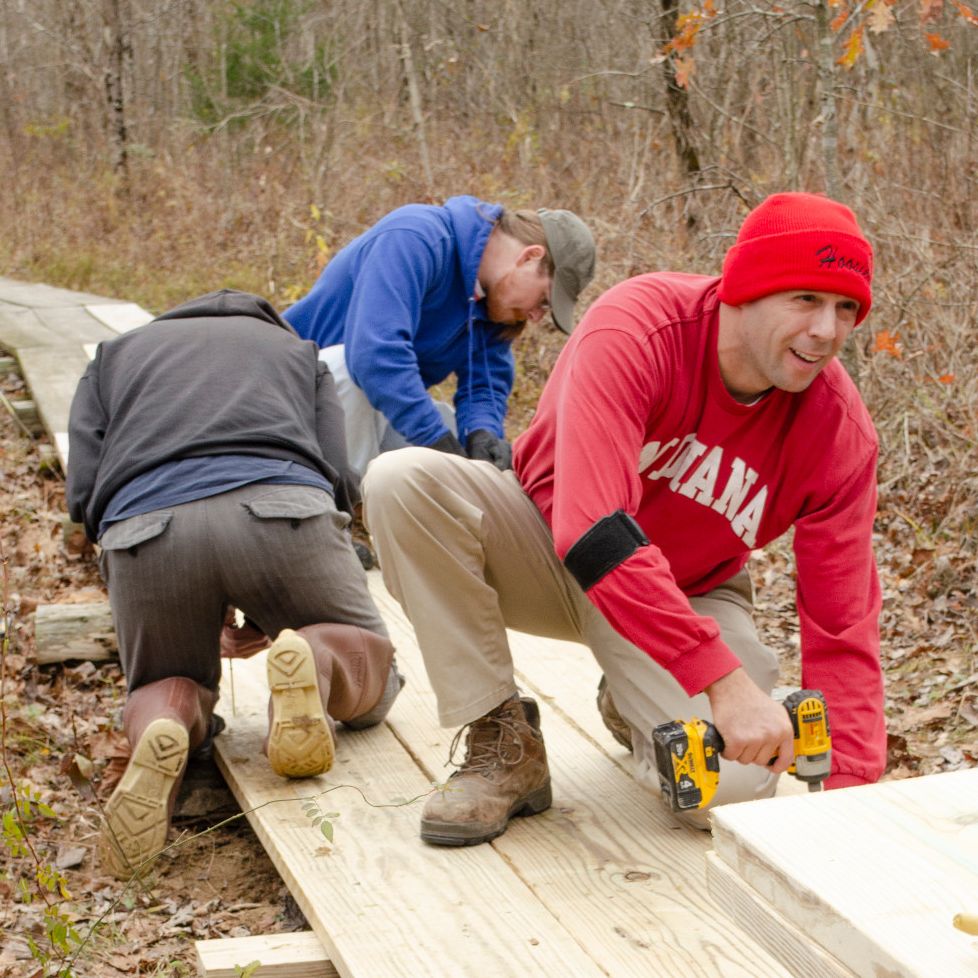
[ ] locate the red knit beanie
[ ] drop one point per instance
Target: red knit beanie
(799, 241)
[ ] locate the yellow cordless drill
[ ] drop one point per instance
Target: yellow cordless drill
(687, 754)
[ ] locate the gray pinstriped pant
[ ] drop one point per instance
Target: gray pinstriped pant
(279, 553)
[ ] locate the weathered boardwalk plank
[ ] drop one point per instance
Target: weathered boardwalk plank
(53, 333)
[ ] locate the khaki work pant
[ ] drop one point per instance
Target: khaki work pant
(468, 555)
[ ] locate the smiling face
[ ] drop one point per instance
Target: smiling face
(522, 293)
(782, 340)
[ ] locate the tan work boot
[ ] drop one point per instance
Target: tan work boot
(613, 720)
(505, 774)
(164, 721)
(318, 675)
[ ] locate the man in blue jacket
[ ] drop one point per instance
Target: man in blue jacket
(428, 292)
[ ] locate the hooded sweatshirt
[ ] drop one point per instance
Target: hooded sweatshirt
(401, 300)
(220, 375)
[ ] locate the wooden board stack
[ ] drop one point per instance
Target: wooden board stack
(865, 882)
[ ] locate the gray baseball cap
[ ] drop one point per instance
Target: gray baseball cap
(571, 245)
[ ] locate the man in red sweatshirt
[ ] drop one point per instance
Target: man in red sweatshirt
(688, 421)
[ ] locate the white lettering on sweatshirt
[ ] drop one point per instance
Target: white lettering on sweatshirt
(695, 470)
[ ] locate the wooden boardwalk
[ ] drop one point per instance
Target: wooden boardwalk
(606, 882)
(53, 332)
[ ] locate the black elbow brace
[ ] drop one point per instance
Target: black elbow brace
(612, 540)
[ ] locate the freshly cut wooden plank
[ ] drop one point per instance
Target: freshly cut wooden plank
(790, 945)
(61, 446)
(874, 874)
(74, 631)
(381, 902)
(607, 860)
(120, 317)
(298, 955)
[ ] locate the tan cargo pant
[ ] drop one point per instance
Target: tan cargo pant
(468, 555)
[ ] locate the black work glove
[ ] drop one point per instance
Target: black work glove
(484, 446)
(449, 444)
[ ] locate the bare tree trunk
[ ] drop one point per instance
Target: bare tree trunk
(826, 95)
(677, 106)
(119, 49)
(414, 96)
(7, 101)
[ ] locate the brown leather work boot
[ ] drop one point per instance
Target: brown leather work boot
(505, 774)
(164, 721)
(318, 675)
(613, 720)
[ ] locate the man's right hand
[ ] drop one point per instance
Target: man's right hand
(450, 444)
(754, 727)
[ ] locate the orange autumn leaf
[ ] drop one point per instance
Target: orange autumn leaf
(946, 378)
(839, 21)
(887, 342)
(969, 15)
(688, 25)
(937, 43)
(854, 48)
(684, 71)
(880, 18)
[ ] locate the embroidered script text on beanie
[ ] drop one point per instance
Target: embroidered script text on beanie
(799, 241)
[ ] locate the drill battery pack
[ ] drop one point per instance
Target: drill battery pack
(687, 756)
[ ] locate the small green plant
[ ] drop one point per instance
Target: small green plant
(320, 820)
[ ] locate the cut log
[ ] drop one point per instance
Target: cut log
(74, 631)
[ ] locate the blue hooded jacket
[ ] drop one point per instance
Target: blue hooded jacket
(401, 298)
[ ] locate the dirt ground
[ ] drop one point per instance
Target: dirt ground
(60, 729)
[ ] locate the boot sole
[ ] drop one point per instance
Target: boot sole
(300, 742)
(137, 815)
(473, 833)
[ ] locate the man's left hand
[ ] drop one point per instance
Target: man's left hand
(484, 446)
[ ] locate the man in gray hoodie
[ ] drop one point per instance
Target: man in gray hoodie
(208, 459)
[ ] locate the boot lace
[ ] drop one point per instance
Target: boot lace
(494, 741)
